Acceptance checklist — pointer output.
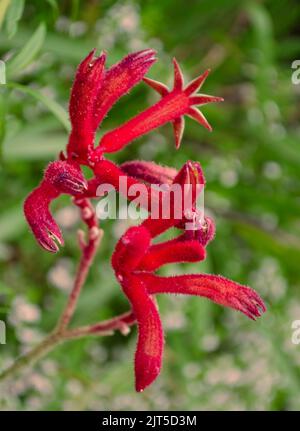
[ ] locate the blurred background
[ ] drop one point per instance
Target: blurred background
(215, 358)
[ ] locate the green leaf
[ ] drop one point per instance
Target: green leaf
(262, 26)
(57, 110)
(33, 146)
(270, 244)
(33, 141)
(2, 121)
(3, 9)
(75, 9)
(22, 59)
(53, 4)
(13, 16)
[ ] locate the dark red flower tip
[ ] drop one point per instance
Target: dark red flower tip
(39, 218)
(214, 287)
(66, 177)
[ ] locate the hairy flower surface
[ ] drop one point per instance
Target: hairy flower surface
(136, 258)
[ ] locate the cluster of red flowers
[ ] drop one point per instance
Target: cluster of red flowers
(136, 258)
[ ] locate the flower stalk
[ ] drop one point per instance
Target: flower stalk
(62, 332)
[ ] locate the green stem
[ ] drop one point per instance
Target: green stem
(32, 356)
(107, 327)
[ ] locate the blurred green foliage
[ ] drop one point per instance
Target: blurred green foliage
(215, 358)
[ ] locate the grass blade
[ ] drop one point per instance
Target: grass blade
(57, 110)
(27, 54)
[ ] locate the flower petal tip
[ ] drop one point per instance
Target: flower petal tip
(66, 177)
(39, 218)
(178, 129)
(178, 76)
(145, 378)
(50, 241)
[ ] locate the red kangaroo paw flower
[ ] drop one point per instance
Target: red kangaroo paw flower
(191, 179)
(60, 177)
(173, 105)
(191, 88)
(128, 254)
(149, 172)
(152, 173)
(36, 210)
(172, 251)
(120, 78)
(216, 288)
(106, 172)
(130, 250)
(85, 90)
(172, 194)
(149, 351)
(66, 177)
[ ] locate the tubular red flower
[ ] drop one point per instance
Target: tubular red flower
(152, 173)
(107, 172)
(59, 177)
(149, 172)
(128, 253)
(172, 251)
(191, 180)
(85, 91)
(172, 107)
(149, 351)
(134, 260)
(39, 218)
(120, 78)
(214, 287)
(129, 250)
